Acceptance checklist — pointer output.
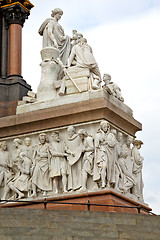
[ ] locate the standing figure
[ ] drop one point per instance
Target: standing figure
(17, 161)
(87, 159)
(82, 55)
(54, 36)
(75, 163)
(137, 169)
(100, 153)
(22, 183)
(111, 157)
(59, 164)
(127, 180)
(105, 142)
(126, 148)
(17, 143)
(118, 172)
(28, 150)
(4, 163)
(41, 161)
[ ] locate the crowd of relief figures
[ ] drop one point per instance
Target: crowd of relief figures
(74, 159)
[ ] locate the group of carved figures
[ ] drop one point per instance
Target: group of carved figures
(58, 167)
(73, 51)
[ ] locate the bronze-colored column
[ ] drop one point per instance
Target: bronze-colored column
(15, 49)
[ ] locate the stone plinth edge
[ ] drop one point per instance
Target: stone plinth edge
(64, 115)
(107, 197)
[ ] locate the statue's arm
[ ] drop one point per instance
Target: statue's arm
(25, 170)
(51, 35)
(71, 57)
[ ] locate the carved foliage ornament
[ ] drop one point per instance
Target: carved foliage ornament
(15, 14)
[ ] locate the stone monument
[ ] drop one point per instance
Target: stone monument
(74, 139)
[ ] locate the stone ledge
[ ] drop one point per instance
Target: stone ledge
(107, 196)
(58, 116)
(69, 99)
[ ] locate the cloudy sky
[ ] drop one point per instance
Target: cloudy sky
(125, 38)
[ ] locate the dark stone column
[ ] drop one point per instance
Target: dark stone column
(4, 49)
(0, 42)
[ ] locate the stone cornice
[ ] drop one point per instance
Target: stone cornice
(24, 3)
(15, 14)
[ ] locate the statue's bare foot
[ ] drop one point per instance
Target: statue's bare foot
(44, 193)
(21, 195)
(108, 185)
(56, 192)
(82, 189)
(95, 87)
(116, 188)
(33, 195)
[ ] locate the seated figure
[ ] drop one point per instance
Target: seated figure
(20, 182)
(111, 87)
(82, 56)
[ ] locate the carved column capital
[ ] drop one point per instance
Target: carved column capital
(15, 14)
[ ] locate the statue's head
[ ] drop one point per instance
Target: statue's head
(27, 141)
(82, 133)
(55, 136)
(79, 35)
(71, 131)
(137, 143)
(17, 142)
(129, 140)
(22, 155)
(114, 132)
(119, 136)
(3, 145)
(42, 138)
(106, 77)
(105, 126)
(83, 40)
(58, 12)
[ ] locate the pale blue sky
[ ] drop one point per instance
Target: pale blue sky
(125, 38)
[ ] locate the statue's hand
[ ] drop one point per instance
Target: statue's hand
(55, 44)
(72, 154)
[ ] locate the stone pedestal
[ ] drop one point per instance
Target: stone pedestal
(105, 197)
(87, 114)
(12, 90)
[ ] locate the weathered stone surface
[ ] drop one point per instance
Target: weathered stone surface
(28, 99)
(31, 94)
(68, 225)
(77, 72)
(69, 99)
(82, 83)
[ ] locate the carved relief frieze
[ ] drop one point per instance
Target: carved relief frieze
(80, 158)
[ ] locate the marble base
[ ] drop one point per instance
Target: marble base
(79, 97)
